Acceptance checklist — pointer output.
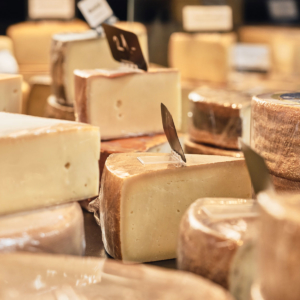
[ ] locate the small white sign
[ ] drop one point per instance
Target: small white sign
(95, 11)
(207, 18)
(251, 57)
(283, 9)
(51, 9)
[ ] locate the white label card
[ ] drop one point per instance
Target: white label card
(51, 9)
(95, 11)
(283, 9)
(250, 57)
(207, 18)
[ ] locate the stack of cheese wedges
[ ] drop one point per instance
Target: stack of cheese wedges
(218, 118)
(46, 166)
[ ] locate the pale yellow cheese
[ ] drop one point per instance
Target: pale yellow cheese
(11, 93)
(45, 162)
(141, 205)
(57, 229)
(201, 56)
(6, 43)
(126, 103)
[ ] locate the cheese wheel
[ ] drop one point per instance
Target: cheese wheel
(57, 229)
(211, 234)
(52, 277)
(282, 184)
(275, 134)
(219, 117)
(57, 111)
(191, 147)
(279, 243)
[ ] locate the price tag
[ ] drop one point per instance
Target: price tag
(283, 9)
(250, 57)
(125, 47)
(51, 9)
(207, 18)
(95, 11)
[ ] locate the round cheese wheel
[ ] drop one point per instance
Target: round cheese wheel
(282, 184)
(57, 111)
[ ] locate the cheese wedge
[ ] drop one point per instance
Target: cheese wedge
(141, 205)
(275, 134)
(201, 56)
(57, 229)
(212, 232)
(279, 241)
(57, 111)
(220, 117)
(85, 50)
(45, 162)
(42, 276)
(126, 103)
(11, 93)
(191, 147)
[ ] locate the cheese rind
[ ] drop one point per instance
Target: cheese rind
(45, 162)
(57, 229)
(220, 117)
(282, 184)
(275, 134)
(201, 56)
(118, 101)
(11, 93)
(57, 111)
(141, 205)
(54, 277)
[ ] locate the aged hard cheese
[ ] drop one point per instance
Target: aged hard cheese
(201, 56)
(125, 103)
(279, 242)
(57, 229)
(220, 117)
(217, 239)
(275, 134)
(56, 110)
(85, 50)
(141, 205)
(41, 276)
(45, 162)
(11, 93)
(282, 184)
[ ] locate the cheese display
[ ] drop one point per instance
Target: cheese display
(275, 133)
(57, 111)
(201, 56)
(46, 162)
(57, 229)
(49, 277)
(6, 43)
(141, 205)
(125, 102)
(278, 246)
(212, 232)
(191, 147)
(32, 41)
(68, 53)
(11, 93)
(219, 117)
(40, 90)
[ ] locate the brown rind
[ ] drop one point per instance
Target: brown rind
(57, 111)
(282, 184)
(80, 101)
(275, 135)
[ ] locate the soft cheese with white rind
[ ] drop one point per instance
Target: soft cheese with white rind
(11, 93)
(126, 103)
(46, 162)
(58, 229)
(141, 205)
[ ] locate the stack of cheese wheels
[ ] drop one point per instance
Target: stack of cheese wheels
(278, 251)
(217, 240)
(275, 135)
(219, 117)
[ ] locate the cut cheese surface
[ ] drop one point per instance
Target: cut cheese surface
(46, 162)
(125, 103)
(11, 93)
(141, 205)
(40, 276)
(211, 234)
(201, 56)
(57, 229)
